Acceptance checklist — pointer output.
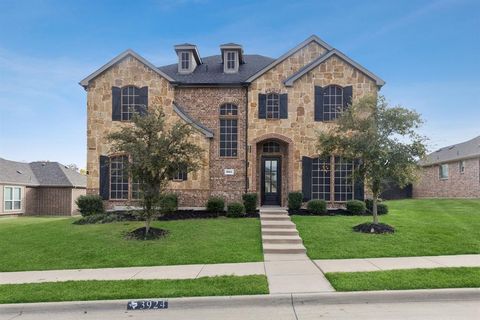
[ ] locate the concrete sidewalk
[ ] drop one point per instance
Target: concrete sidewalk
(192, 271)
(378, 264)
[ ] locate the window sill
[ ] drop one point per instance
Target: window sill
(223, 157)
(177, 180)
(442, 179)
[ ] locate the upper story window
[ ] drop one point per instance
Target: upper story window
(130, 100)
(127, 101)
(332, 102)
(185, 60)
(13, 198)
(228, 130)
(273, 106)
(231, 60)
(443, 171)
(271, 147)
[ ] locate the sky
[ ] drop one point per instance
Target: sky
(428, 52)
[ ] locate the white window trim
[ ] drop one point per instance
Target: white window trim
(462, 166)
(236, 63)
(180, 64)
(13, 200)
(443, 177)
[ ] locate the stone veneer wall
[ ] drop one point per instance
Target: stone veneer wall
(203, 104)
(300, 126)
(130, 71)
(458, 185)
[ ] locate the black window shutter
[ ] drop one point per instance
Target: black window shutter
(283, 106)
(318, 104)
(142, 108)
(104, 177)
(116, 104)
(347, 96)
(358, 186)
(262, 106)
(307, 178)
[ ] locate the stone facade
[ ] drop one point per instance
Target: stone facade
(300, 127)
(131, 71)
(296, 134)
(458, 185)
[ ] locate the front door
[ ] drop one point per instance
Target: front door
(271, 180)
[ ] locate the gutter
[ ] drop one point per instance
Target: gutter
(246, 138)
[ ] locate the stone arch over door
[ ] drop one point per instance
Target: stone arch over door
(287, 163)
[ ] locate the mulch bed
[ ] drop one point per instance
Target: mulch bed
(153, 234)
(375, 228)
(330, 212)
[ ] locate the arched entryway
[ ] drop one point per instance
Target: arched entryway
(273, 178)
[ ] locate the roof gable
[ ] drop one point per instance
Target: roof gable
(84, 83)
(312, 38)
(334, 52)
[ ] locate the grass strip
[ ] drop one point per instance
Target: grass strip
(132, 289)
(436, 278)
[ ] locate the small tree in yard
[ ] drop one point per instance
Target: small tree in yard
(157, 151)
(385, 141)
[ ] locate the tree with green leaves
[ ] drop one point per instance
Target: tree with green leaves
(383, 139)
(157, 151)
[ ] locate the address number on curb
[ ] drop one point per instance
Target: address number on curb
(147, 304)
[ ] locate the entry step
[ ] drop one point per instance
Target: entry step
(293, 239)
(279, 232)
(278, 225)
(283, 248)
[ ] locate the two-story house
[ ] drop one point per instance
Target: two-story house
(256, 118)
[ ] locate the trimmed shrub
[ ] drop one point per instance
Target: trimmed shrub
(235, 210)
(168, 203)
(317, 206)
(250, 202)
(356, 207)
(295, 200)
(382, 208)
(89, 205)
(215, 204)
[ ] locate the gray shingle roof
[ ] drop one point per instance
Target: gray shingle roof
(40, 174)
(211, 71)
(17, 173)
(467, 149)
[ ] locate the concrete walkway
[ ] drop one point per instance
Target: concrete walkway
(287, 266)
(377, 264)
(192, 271)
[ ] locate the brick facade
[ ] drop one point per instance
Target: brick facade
(296, 134)
(458, 185)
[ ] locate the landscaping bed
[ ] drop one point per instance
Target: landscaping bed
(132, 289)
(116, 216)
(406, 279)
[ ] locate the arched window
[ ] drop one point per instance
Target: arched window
(131, 102)
(332, 102)
(228, 130)
(273, 106)
(271, 147)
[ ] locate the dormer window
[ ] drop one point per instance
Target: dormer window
(188, 57)
(232, 57)
(231, 60)
(184, 61)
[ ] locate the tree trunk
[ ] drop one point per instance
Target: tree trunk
(147, 226)
(374, 209)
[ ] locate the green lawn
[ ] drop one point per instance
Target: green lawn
(406, 279)
(423, 227)
(132, 289)
(56, 243)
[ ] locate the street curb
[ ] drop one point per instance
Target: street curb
(467, 294)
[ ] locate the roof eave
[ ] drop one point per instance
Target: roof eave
(182, 114)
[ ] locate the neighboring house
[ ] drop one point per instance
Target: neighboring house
(451, 172)
(256, 118)
(39, 188)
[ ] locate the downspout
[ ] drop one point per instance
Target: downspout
(246, 138)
